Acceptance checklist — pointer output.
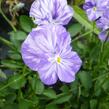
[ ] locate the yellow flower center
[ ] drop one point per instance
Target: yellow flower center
(59, 60)
(94, 8)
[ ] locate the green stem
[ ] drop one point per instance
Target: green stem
(79, 93)
(8, 43)
(82, 36)
(102, 49)
(24, 69)
(4, 16)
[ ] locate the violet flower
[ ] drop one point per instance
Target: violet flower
(103, 24)
(95, 8)
(47, 50)
(51, 11)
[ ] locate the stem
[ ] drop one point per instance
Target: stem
(4, 16)
(82, 35)
(103, 43)
(24, 69)
(92, 34)
(102, 48)
(8, 43)
(79, 93)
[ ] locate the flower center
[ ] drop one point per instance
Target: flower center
(94, 8)
(58, 60)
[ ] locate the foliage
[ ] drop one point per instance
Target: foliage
(23, 88)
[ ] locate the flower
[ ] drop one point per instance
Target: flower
(99, 10)
(103, 24)
(51, 11)
(95, 8)
(47, 50)
(91, 9)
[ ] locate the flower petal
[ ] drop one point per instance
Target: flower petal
(47, 73)
(103, 36)
(51, 11)
(29, 55)
(69, 67)
(36, 47)
(64, 15)
(64, 38)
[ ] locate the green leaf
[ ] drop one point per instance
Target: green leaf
(84, 106)
(13, 39)
(93, 104)
(104, 105)
(26, 23)
(62, 98)
(4, 91)
(37, 86)
(83, 92)
(35, 100)
(2, 74)
(11, 64)
(98, 85)
(14, 55)
(10, 106)
(74, 29)
(81, 17)
(50, 93)
(85, 79)
(1, 104)
(24, 104)
(10, 98)
(51, 106)
(64, 88)
(74, 87)
(18, 35)
(16, 81)
(105, 86)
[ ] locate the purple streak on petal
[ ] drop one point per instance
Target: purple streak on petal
(70, 65)
(29, 55)
(103, 22)
(65, 15)
(51, 11)
(65, 74)
(48, 73)
(88, 5)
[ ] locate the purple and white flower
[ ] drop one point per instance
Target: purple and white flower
(103, 24)
(99, 10)
(51, 11)
(95, 8)
(91, 9)
(47, 50)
